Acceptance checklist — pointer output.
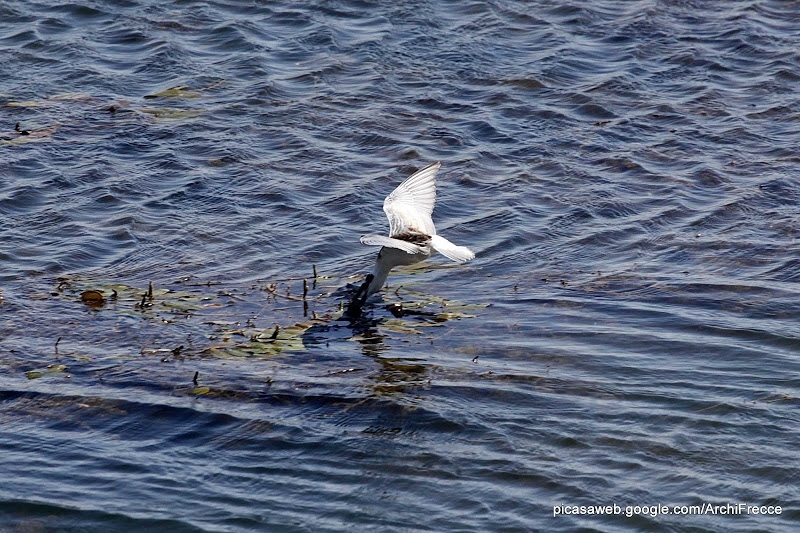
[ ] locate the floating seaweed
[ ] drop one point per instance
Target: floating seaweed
(60, 107)
(20, 135)
(50, 369)
(172, 113)
(180, 91)
(215, 314)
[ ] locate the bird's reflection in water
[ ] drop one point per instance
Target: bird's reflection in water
(396, 374)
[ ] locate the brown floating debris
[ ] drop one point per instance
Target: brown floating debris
(93, 298)
(91, 295)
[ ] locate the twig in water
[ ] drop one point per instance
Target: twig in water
(273, 290)
(196, 375)
(57, 341)
(305, 288)
(314, 268)
(150, 291)
(275, 333)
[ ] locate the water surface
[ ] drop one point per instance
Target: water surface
(628, 334)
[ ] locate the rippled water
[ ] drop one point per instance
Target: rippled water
(629, 333)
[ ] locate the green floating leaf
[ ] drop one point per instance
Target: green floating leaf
(35, 135)
(457, 307)
(399, 326)
(181, 305)
(262, 343)
(72, 97)
(181, 91)
(199, 391)
(29, 103)
(133, 301)
(51, 369)
(444, 317)
(165, 112)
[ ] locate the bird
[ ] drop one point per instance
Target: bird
(412, 235)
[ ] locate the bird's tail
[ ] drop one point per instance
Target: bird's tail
(459, 254)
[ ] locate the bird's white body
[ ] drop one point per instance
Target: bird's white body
(412, 235)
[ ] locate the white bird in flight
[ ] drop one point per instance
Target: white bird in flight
(412, 235)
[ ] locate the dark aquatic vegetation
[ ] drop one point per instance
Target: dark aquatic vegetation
(200, 314)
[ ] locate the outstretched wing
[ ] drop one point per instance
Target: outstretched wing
(459, 254)
(410, 206)
(381, 240)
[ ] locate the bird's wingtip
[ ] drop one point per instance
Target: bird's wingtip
(459, 254)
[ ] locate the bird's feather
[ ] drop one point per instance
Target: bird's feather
(409, 209)
(410, 206)
(459, 254)
(382, 240)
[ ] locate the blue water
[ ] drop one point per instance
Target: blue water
(629, 333)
